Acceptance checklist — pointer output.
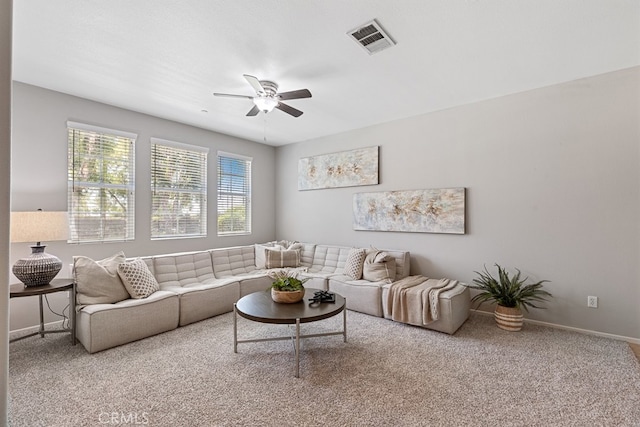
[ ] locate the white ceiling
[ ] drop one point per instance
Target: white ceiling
(167, 57)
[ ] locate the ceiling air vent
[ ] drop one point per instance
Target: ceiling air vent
(371, 37)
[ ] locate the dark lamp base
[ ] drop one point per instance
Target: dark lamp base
(38, 269)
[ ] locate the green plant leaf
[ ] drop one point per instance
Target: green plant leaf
(506, 290)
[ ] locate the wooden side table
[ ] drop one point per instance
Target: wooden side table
(19, 290)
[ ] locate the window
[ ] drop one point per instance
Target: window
(178, 190)
(234, 194)
(101, 184)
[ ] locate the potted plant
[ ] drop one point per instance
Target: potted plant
(510, 294)
(286, 287)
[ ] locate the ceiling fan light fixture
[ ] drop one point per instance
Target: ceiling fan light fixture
(267, 97)
(265, 103)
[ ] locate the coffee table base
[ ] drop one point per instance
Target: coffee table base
(296, 339)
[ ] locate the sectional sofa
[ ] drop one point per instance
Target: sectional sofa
(198, 285)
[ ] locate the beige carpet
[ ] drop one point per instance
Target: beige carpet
(388, 374)
(636, 349)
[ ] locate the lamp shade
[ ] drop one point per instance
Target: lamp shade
(40, 267)
(39, 226)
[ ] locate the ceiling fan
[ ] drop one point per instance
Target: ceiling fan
(267, 97)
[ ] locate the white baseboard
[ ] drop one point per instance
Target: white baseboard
(483, 313)
(30, 329)
(570, 328)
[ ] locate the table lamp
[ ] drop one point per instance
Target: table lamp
(37, 226)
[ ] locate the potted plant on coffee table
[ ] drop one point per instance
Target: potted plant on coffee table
(510, 294)
(286, 287)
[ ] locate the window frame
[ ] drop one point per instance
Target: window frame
(73, 183)
(202, 192)
(246, 194)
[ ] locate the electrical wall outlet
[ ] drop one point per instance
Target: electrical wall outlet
(592, 302)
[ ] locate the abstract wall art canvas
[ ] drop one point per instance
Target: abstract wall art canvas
(343, 169)
(415, 211)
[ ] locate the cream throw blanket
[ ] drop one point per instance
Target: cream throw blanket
(414, 299)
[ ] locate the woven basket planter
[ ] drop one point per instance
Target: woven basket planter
(508, 318)
(287, 297)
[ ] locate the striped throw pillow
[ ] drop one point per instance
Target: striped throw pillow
(281, 258)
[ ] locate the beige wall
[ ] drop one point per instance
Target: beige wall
(552, 178)
(5, 176)
(39, 179)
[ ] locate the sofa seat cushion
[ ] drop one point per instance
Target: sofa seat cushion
(455, 305)
(199, 301)
(102, 326)
(180, 290)
(361, 295)
(317, 280)
(257, 283)
(249, 274)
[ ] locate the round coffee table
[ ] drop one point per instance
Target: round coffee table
(259, 307)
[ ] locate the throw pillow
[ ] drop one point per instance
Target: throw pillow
(137, 278)
(260, 255)
(354, 263)
(379, 266)
(295, 246)
(281, 258)
(288, 244)
(97, 282)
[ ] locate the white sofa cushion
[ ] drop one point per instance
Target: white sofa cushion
(98, 282)
(201, 301)
(233, 261)
(306, 254)
(102, 326)
(329, 259)
(183, 269)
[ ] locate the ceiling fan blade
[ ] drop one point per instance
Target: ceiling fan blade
(289, 109)
(232, 96)
(255, 83)
(295, 94)
(254, 111)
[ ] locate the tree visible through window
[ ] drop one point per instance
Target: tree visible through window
(179, 190)
(234, 194)
(101, 184)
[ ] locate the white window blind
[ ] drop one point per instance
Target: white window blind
(234, 194)
(101, 184)
(179, 190)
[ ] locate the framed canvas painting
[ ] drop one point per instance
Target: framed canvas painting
(343, 169)
(439, 210)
